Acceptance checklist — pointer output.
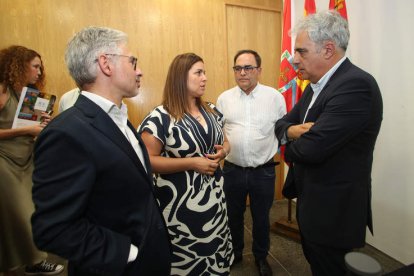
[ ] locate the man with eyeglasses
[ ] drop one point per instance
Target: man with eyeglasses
(93, 188)
(69, 98)
(250, 111)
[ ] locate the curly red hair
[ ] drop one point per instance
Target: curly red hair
(14, 64)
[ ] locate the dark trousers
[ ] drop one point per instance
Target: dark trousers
(324, 260)
(259, 185)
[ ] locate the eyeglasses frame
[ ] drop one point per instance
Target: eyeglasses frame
(247, 69)
(133, 60)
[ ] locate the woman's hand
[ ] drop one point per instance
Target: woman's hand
(220, 154)
(32, 130)
(36, 129)
(204, 165)
(46, 117)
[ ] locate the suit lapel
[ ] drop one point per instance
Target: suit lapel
(307, 98)
(339, 72)
(144, 151)
(313, 111)
(104, 124)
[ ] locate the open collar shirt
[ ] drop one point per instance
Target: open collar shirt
(120, 118)
(318, 87)
(250, 122)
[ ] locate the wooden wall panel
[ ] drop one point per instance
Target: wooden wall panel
(158, 30)
(243, 33)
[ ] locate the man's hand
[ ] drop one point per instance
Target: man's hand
(295, 131)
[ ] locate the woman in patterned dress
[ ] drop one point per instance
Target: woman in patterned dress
(185, 141)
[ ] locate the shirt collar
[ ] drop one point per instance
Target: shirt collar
(317, 87)
(108, 106)
(253, 93)
(104, 103)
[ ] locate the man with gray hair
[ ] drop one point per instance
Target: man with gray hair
(330, 136)
(93, 188)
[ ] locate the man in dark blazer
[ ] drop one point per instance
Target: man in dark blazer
(330, 136)
(93, 189)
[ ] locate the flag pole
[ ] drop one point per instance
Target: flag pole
(287, 226)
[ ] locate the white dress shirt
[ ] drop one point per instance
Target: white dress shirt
(120, 118)
(249, 123)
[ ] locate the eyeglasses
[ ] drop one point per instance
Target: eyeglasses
(133, 60)
(247, 69)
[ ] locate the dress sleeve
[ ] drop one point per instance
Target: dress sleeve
(156, 123)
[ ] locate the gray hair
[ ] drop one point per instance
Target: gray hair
(84, 48)
(325, 26)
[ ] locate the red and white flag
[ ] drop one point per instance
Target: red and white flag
(309, 8)
(340, 6)
(287, 75)
(290, 84)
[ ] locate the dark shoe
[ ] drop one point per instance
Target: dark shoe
(237, 259)
(264, 268)
(43, 268)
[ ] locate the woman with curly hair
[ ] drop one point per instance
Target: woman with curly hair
(19, 67)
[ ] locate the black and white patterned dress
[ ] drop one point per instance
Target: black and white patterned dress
(193, 204)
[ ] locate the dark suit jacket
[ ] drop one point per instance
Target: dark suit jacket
(333, 161)
(93, 198)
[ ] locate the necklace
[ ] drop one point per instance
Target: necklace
(197, 115)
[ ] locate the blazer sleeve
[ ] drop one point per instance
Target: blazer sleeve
(340, 117)
(61, 194)
(292, 117)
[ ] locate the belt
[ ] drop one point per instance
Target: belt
(270, 163)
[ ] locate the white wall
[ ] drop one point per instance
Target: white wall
(382, 43)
